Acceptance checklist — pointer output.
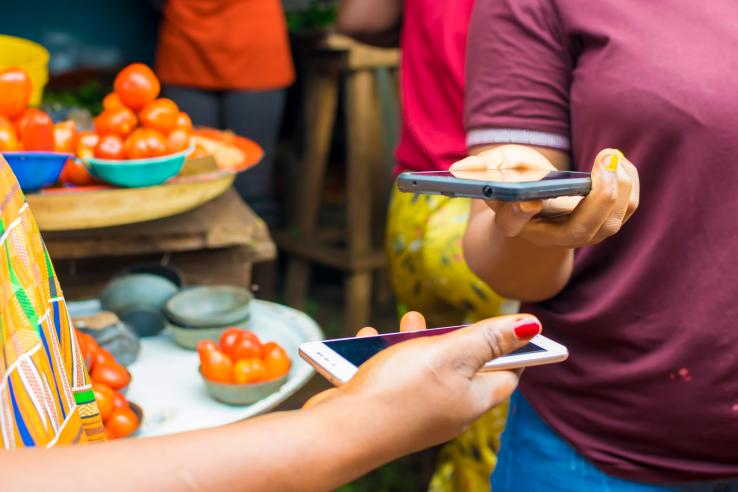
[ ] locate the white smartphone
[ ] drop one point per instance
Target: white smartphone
(338, 360)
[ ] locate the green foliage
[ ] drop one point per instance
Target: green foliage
(398, 476)
(87, 96)
(318, 15)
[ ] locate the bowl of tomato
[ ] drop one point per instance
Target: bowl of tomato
(36, 169)
(240, 369)
(137, 173)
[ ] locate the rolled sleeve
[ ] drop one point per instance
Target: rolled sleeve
(518, 74)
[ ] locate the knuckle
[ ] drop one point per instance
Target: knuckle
(611, 227)
(579, 234)
(495, 342)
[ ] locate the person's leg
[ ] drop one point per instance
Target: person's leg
(202, 106)
(534, 457)
(257, 115)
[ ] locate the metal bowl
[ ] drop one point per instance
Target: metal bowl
(206, 307)
(243, 394)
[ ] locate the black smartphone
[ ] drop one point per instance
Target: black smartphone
(510, 185)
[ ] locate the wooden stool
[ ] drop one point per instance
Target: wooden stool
(340, 59)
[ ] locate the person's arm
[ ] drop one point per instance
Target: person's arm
(408, 397)
(374, 22)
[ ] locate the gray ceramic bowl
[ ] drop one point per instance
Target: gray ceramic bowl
(243, 394)
(138, 300)
(188, 338)
(139, 413)
(205, 307)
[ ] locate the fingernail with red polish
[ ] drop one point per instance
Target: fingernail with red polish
(527, 329)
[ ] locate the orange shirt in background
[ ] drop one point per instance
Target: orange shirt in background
(224, 44)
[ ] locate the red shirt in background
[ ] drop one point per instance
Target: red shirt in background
(433, 46)
(224, 45)
(650, 390)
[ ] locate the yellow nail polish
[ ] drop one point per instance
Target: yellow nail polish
(612, 163)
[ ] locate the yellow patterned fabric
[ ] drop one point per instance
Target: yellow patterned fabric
(429, 274)
(45, 393)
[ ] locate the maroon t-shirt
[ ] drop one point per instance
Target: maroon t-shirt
(650, 391)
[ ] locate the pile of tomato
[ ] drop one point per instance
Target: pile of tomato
(241, 358)
(109, 378)
(135, 123)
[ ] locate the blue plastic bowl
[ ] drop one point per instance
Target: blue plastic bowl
(35, 169)
(138, 173)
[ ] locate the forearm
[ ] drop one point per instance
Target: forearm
(512, 267)
(316, 449)
(374, 22)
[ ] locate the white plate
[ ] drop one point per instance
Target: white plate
(169, 389)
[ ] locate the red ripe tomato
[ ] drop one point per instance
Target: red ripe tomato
(115, 121)
(277, 361)
(248, 346)
(119, 401)
(145, 142)
(184, 122)
(35, 130)
(160, 115)
(112, 101)
(229, 338)
(216, 366)
(65, 137)
(86, 141)
(136, 86)
(110, 147)
(178, 140)
(75, 173)
(250, 371)
(111, 374)
(104, 396)
(8, 138)
(122, 422)
(15, 91)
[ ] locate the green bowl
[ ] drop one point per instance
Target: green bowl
(188, 337)
(138, 173)
(243, 394)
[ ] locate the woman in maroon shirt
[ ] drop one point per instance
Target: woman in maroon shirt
(648, 400)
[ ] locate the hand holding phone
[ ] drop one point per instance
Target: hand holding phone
(431, 387)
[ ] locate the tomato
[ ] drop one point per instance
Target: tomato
(110, 147)
(110, 373)
(119, 401)
(115, 121)
(205, 345)
(35, 130)
(103, 356)
(183, 121)
(65, 137)
(86, 141)
(216, 366)
(15, 91)
(136, 86)
(8, 138)
(122, 422)
(247, 346)
(145, 142)
(112, 101)
(277, 361)
(89, 347)
(178, 140)
(160, 115)
(104, 396)
(250, 371)
(229, 338)
(109, 434)
(75, 173)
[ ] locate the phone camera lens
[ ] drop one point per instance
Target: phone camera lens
(415, 183)
(487, 191)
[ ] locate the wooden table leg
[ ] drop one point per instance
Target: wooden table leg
(320, 113)
(364, 154)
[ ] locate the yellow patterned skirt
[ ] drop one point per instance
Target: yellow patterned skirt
(429, 274)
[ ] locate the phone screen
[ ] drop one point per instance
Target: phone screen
(508, 175)
(359, 350)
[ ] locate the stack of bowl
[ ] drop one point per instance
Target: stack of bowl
(203, 313)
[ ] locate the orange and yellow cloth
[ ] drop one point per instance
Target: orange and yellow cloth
(45, 393)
